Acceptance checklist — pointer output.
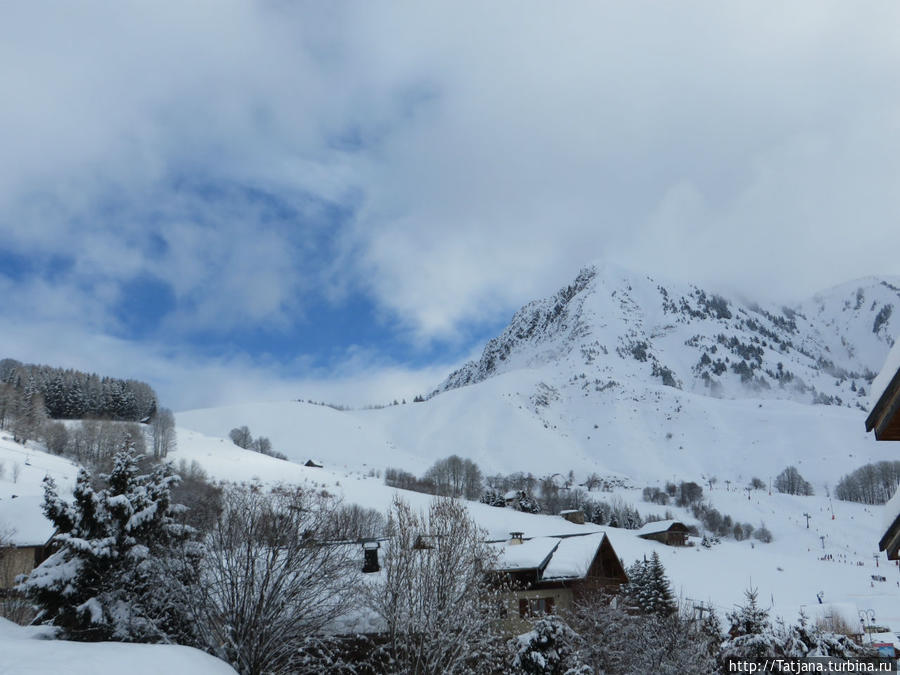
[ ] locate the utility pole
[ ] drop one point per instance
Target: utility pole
(807, 516)
(822, 537)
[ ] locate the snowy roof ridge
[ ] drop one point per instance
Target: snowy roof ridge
(885, 375)
(559, 556)
(656, 526)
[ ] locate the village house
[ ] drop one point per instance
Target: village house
(668, 532)
(24, 538)
(550, 574)
(884, 420)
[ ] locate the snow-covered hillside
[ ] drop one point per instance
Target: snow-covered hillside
(789, 573)
(622, 374)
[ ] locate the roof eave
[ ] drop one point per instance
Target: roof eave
(885, 407)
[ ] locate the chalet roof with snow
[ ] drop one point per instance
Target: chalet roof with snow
(659, 526)
(573, 557)
(560, 558)
(531, 554)
(22, 523)
(884, 419)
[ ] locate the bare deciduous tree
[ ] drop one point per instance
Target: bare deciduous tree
(439, 608)
(241, 437)
(162, 432)
(267, 584)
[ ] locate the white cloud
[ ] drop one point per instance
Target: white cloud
(186, 379)
(488, 150)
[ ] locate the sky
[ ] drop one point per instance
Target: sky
(342, 201)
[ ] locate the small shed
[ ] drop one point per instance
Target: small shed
(312, 463)
(24, 538)
(573, 516)
(668, 532)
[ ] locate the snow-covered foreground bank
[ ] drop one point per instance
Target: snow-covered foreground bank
(31, 650)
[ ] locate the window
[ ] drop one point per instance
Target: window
(535, 606)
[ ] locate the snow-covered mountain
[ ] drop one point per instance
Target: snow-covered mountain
(613, 329)
(623, 374)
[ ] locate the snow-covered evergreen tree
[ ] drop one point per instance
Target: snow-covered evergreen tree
(549, 648)
(114, 576)
(805, 639)
(648, 590)
(751, 634)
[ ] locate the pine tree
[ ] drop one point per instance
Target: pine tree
(114, 576)
(660, 599)
(751, 634)
(648, 590)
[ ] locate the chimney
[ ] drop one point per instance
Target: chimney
(370, 552)
(516, 538)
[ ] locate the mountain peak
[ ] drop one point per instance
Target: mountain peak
(612, 325)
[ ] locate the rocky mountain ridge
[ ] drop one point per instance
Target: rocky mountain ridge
(611, 328)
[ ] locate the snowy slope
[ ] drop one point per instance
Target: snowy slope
(789, 572)
(22, 470)
(644, 434)
(28, 650)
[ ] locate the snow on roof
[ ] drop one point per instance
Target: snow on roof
(885, 375)
(657, 526)
(23, 523)
(568, 511)
(528, 555)
(573, 557)
(511, 494)
(891, 511)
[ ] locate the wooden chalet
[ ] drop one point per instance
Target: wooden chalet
(549, 574)
(668, 532)
(884, 420)
(25, 536)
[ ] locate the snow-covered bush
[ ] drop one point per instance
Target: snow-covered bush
(616, 642)
(549, 648)
(804, 639)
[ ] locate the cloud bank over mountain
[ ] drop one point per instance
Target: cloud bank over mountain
(292, 185)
